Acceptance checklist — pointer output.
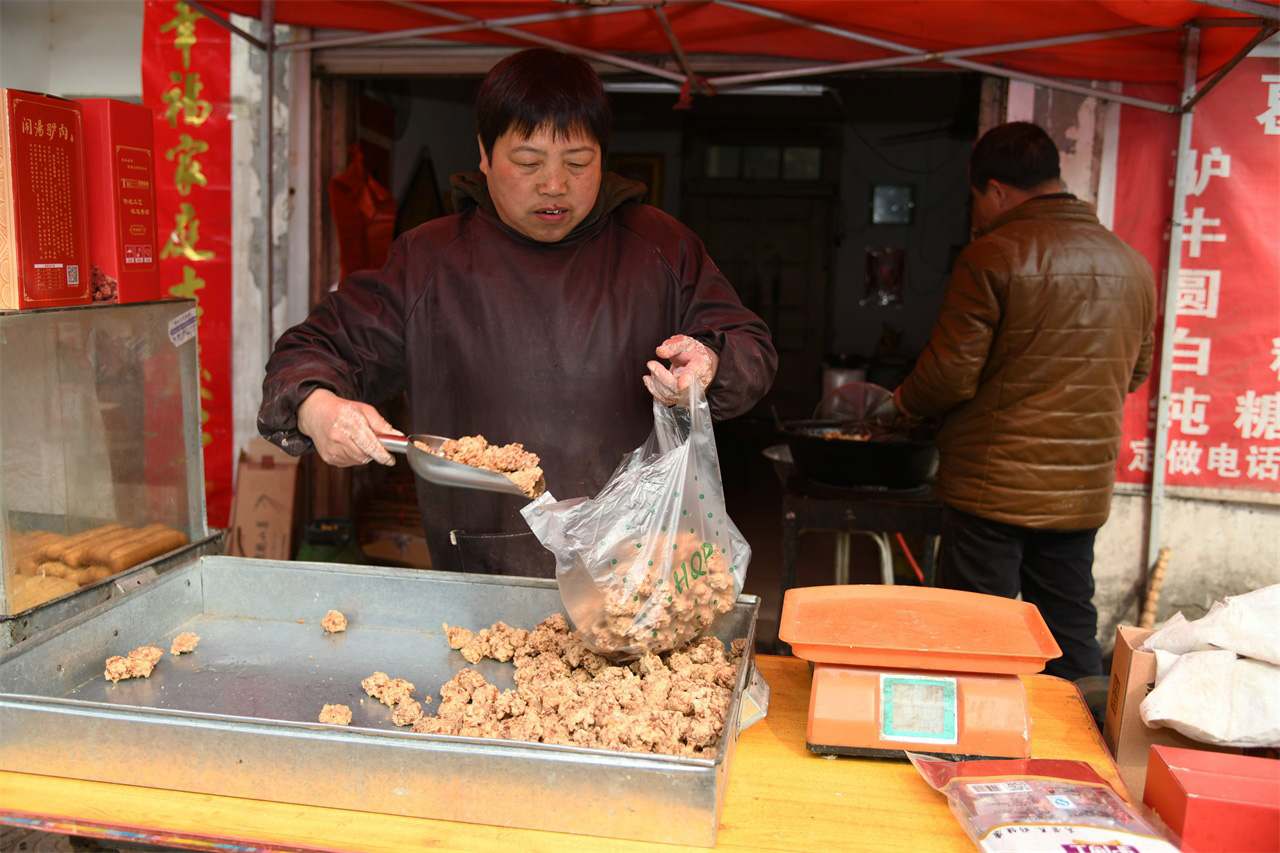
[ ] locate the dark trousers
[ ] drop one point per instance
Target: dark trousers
(1052, 569)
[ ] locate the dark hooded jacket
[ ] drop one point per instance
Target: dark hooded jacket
(1047, 323)
(495, 334)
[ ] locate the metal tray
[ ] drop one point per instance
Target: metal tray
(238, 716)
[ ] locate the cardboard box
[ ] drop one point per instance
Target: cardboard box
(44, 247)
(120, 181)
(262, 509)
(1133, 674)
(1216, 801)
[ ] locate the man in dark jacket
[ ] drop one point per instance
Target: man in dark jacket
(525, 317)
(1047, 323)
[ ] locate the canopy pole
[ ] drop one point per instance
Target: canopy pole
(268, 130)
(1182, 175)
(1258, 38)
(465, 25)
(225, 24)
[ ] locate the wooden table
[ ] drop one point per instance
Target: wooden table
(780, 797)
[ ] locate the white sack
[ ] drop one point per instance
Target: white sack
(1177, 636)
(1247, 624)
(1216, 697)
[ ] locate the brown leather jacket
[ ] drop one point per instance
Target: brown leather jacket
(1047, 322)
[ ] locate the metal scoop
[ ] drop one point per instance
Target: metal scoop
(446, 472)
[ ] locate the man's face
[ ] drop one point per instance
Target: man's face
(543, 186)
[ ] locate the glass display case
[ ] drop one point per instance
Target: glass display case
(101, 464)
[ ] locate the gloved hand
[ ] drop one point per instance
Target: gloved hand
(691, 361)
(344, 431)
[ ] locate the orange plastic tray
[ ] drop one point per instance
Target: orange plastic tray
(911, 627)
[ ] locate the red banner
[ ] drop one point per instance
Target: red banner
(186, 80)
(1225, 372)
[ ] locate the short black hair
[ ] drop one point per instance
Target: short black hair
(538, 87)
(1019, 154)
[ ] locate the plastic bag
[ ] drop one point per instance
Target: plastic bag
(648, 563)
(1039, 804)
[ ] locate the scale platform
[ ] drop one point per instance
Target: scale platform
(918, 669)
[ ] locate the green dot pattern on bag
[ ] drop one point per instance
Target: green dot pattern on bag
(700, 497)
(691, 530)
(639, 544)
(655, 633)
(714, 602)
(637, 598)
(659, 579)
(614, 563)
(664, 528)
(708, 515)
(684, 512)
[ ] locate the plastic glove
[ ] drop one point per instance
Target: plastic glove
(691, 361)
(886, 410)
(344, 431)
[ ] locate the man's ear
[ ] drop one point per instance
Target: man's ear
(999, 192)
(484, 158)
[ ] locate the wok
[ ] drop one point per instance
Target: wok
(824, 451)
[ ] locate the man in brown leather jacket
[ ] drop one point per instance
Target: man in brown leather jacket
(529, 316)
(1047, 323)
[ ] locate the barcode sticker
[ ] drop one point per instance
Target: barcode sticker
(999, 788)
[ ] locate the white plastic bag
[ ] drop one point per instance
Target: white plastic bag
(648, 563)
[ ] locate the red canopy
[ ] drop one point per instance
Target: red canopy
(1113, 40)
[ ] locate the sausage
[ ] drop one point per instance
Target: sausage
(135, 536)
(58, 549)
(27, 548)
(94, 550)
(144, 547)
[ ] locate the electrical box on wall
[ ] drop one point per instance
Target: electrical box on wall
(892, 204)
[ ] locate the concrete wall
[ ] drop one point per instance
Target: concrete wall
(1217, 548)
(73, 48)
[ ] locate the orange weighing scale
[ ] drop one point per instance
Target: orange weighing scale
(927, 670)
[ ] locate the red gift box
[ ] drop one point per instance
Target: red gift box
(121, 184)
(44, 249)
(1216, 801)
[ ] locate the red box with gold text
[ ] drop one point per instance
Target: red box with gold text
(120, 177)
(44, 246)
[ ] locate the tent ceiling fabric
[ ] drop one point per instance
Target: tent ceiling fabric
(819, 31)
